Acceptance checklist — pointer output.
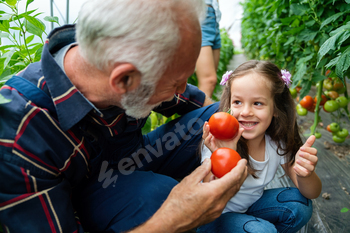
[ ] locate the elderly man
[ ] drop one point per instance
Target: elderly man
(73, 157)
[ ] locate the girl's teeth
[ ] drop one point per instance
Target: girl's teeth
(249, 124)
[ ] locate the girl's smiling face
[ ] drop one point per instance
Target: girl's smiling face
(252, 104)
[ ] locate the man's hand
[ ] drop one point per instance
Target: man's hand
(192, 203)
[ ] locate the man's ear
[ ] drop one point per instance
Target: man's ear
(124, 77)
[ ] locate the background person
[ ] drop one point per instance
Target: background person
(266, 113)
(208, 60)
(83, 106)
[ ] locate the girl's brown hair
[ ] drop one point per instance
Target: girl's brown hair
(283, 130)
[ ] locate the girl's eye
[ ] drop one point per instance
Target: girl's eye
(236, 102)
(258, 103)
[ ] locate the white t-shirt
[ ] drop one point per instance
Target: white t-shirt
(252, 189)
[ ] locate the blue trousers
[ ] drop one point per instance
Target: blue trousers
(278, 210)
(129, 192)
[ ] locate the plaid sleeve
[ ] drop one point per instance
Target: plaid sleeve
(30, 203)
(190, 100)
(38, 164)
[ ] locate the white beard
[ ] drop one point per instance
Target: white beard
(135, 102)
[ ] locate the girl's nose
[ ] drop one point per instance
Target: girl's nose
(246, 111)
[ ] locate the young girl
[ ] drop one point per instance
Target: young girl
(258, 96)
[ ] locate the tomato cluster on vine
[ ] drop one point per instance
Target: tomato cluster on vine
(334, 98)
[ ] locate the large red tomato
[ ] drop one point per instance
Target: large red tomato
(307, 102)
(223, 125)
(223, 160)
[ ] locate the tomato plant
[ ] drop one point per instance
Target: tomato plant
(223, 125)
(309, 41)
(223, 160)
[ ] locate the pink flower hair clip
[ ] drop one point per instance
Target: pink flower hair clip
(225, 77)
(286, 77)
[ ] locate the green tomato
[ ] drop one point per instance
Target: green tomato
(301, 111)
(293, 92)
(334, 127)
(328, 84)
(318, 135)
(331, 106)
(342, 133)
(338, 139)
(342, 101)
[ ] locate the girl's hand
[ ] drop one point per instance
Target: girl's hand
(306, 158)
(213, 143)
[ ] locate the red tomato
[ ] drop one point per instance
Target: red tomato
(223, 160)
(323, 99)
(307, 102)
(329, 128)
(223, 125)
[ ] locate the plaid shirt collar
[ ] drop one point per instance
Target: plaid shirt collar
(71, 105)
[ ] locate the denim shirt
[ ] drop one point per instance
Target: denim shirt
(44, 154)
(215, 5)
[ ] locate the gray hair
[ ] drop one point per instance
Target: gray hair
(144, 33)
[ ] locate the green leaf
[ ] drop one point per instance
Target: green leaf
(332, 63)
(306, 84)
(2, 60)
(8, 56)
(29, 39)
(38, 52)
(147, 127)
(344, 210)
(298, 9)
(35, 22)
(318, 76)
(11, 2)
(299, 74)
(29, 2)
(289, 41)
(307, 35)
(332, 19)
(4, 26)
(33, 29)
(3, 100)
(51, 19)
(343, 64)
(287, 21)
(332, 42)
